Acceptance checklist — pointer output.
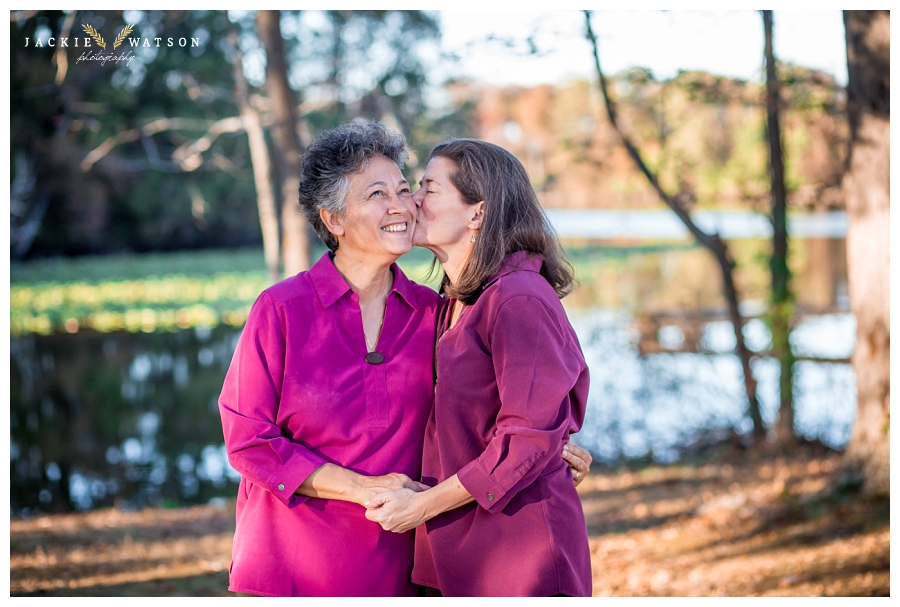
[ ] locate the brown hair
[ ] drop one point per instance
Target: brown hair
(513, 218)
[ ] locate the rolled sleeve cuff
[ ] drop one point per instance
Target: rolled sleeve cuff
(489, 494)
(291, 475)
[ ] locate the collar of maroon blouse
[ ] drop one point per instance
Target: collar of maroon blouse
(518, 261)
(331, 286)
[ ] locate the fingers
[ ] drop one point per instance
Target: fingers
(377, 501)
(574, 461)
(578, 458)
(414, 485)
(577, 478)
(583, 454)
(577, 475)
(579, 461)
(378, 515)
(400, 481)
(577, 451)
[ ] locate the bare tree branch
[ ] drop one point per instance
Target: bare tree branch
(107, 146)
(190, 155)
(187, 156)
(712, 242)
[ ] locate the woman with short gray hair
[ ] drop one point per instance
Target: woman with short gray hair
(320, 408)
(335, 156)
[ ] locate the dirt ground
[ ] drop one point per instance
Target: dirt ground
(728, 524)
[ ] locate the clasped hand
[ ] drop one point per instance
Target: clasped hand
(388, 482)
(396, 510)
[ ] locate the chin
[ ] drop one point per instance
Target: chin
(399, 249)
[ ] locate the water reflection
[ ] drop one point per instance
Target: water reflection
(118, 419)
(653, 405)
(131, 419)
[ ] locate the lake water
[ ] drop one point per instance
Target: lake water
(130, 419)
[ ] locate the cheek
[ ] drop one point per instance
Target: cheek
(426, 214)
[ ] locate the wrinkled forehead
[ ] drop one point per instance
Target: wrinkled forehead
(379, 168)
(439, 170)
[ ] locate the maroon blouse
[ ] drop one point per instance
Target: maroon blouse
(512, 385)
(298, 394)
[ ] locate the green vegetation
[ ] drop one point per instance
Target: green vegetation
(154, 292)
(173, 291)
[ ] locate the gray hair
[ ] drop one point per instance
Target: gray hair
(334, 155)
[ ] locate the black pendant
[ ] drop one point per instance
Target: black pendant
(374, 358)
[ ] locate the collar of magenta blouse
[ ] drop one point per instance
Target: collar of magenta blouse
(520, 260)
(331, 286)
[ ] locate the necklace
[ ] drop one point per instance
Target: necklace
(372, 356)
(369, 344)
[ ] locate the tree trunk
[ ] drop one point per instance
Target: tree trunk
(295, 245)
(711, 242)
(262, 171)
(781, 308)
(866, 187)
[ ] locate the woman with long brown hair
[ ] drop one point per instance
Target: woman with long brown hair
(502, 517)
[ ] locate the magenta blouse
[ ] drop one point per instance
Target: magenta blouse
(512, 385)
(299, 394)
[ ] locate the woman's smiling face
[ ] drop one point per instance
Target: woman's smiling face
(380, 217)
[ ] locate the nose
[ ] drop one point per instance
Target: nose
(419, 196)
(400, 204)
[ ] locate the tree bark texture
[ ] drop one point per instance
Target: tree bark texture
(712, 242)
(866, 187)
(262, 171)
(781, 308)
(295, 244)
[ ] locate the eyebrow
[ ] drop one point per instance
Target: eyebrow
(382, 183)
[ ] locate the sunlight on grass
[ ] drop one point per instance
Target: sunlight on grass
(173, 291)
(181, 290)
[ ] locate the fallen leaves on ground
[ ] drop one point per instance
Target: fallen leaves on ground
(732, 525)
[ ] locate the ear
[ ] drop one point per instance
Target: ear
(476, 215)
(332, 221)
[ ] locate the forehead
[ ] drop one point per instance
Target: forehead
(439, 169)
(380, 168)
